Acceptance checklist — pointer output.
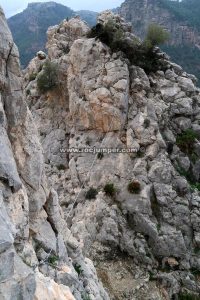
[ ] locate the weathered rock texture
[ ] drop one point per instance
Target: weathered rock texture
(145, 245)
(39, 258)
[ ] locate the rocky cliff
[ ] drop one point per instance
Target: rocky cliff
(179, 18)
(136, 215)
(39, 257)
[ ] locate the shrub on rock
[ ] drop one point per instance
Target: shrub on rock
(91, 194)
(140, 54)
(48, 79)
(109, 189)
(156, 35)
(185, 141)
(134, 187)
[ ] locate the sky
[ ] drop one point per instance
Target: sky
(12, 7)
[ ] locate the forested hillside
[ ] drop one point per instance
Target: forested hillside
(181, 19)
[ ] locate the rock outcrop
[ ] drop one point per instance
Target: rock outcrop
(39, 257)
(143, 236)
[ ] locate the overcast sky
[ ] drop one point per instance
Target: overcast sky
(11, 7)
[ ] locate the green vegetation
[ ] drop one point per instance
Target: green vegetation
(158, 226)
(91, 194)
(156, 35)
(61, 167)
(134, 187)
(85, 297)
(48, 79)
(195, 272)
(140, 54)
(196, 186)
(186, 296)
(190, 178)
(53, 260)
(78, 269)
(28, 92)
(32, 77)
(141, 153)
(111, 34)
(147, 123)
(109, 189)
(187, 174)
(197, 250)
(185, 141)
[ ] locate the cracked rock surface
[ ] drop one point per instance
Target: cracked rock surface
(39, 257)
(140, 241)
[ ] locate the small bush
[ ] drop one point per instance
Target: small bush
(53, 260)
(91, 194)
(147, 123)
(185, 141)
(110, 34)
(78, 269)
(195, 272)
(61, 167)
(28, 92)
(109, 189)
(134, 187)
(197, 250)
(187, 174)
(32, 77)
(156, 35)
(85, 297)
(140, 54)
(48, 78)
(196, 186)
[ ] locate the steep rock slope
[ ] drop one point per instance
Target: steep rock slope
(29, 27)
(181, 20)
(145, 243)
(39, 258)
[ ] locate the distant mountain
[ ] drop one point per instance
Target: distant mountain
(89, 16)
(30, 26)
(181, 18)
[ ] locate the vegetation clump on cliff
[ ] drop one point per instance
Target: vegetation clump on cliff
(141, 54)
(48, 79)
(186, 141)
(110, 189)
(134, 187)
(91, 194)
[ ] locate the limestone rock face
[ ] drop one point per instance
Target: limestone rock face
(47, 289)
(38, 253)
(61, 38)
(100, 104)
(147, 228)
